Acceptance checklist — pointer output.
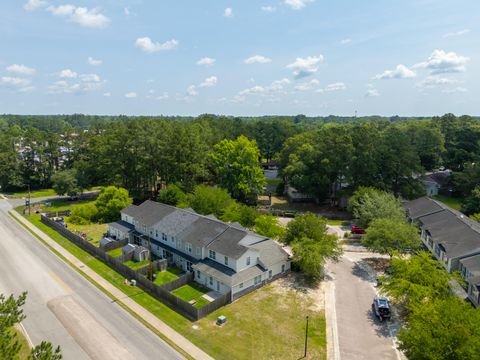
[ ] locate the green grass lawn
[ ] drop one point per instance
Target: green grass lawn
(192, 291)
(338, 222)
(94, 231)
(278, 319)
(34, 193)
(168, 275)
(454, 203)
(115, 252)
(134, 265)
(25, 346)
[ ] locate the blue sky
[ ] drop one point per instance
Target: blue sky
(313, 57)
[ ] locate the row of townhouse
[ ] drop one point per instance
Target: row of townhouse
(224, 257)
(453, 239)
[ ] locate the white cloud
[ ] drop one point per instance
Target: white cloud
(257, 89)
(434, 81)
(32, 5)
(209, 82)
(94, 62)
(279, 84)
(305, 66)
(206, 61)
(335, 86)
(192, 90)
(257, 59)
(457, 33)
(14, 81)
(268, 9)
(131, 95)
(444, 62)
(90, 78)
(126, 11)
(26, 89)
(90, 18)
(455, 90)
(68, 74)
(164, 96)
(372, 93)
(62, 10)
(21, 69)
(297, 4)
(228, 12)
(307, 85)
(63, 87)
(107, 94)
(147, 45)
(345, 41)
(400, 72)
(83, 16)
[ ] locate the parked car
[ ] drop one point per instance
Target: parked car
(381, 308)
(357, 230)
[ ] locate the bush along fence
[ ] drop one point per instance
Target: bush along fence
(161, 293)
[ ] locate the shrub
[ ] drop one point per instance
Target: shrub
(84, 214)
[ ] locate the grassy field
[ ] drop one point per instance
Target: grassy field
(192, 291)
(278, 319)
(94, 231)
(168, 275)
(134, 265)
(338, 222)
(454, 203)
(34, 193)
(115, 252)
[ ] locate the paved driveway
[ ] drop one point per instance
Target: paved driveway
(358, 334)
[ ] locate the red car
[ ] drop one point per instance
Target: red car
(357, 230)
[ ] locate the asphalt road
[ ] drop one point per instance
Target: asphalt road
(64, 308)
(360, 335)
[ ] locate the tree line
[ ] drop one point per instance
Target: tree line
(325, 157)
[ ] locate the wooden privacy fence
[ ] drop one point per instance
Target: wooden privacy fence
(162, 293)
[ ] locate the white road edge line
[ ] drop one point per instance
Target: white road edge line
(336, 346)
(26, 335)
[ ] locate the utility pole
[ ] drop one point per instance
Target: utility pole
(306, 338)
(29, 201)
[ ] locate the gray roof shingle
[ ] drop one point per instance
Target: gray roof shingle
(225, 274)
(472, 263)
(121, 225)
(228, 243)
(270, 252)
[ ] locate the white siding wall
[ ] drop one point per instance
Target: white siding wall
(241, 263)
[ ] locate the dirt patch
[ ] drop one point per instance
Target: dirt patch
(378, 264)
(314, 295)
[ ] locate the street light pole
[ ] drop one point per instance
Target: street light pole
(306, 338)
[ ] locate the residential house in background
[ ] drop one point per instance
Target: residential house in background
(437, 182)
(452, 237)
(224, 257)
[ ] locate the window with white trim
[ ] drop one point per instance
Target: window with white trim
(226, 260)
(248, 260)
(212, 254)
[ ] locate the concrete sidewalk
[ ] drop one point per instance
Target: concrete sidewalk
(151, 319)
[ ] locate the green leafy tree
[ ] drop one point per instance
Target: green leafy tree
(311, 244)
(243, 214)
(171, 195)
(109, 203)
(416, 280)
(368, 204)
(236, 166)
(84, 214)
(471, 204)
(207, 200)
(388, 236)
(45, 351)
(65, 182)
(11, 313)
(267, 225)
(441, 329)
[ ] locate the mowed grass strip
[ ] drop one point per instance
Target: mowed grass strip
(135, 265)
(168, 275)
(192, 291)
(260, 325)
